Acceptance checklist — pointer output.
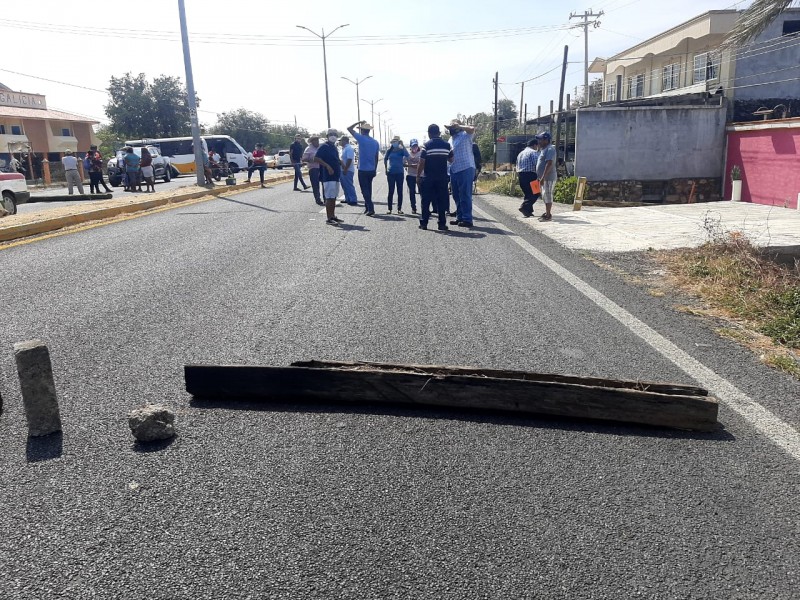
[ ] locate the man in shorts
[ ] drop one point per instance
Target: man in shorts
(327, 157)
(546, 172)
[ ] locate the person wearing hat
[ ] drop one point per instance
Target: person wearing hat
(368, 150)
(412, 164)
(546, 172)
(526, 172)
(462, 171)
(296, 155)
(432, 177)
(71, 172)
(348, 159)
(313, 167)
(327, 157)
(259, 162)
(95, 161)
(393, 162)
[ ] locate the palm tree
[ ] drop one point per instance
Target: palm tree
(754, 20)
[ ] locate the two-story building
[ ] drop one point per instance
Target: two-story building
(32, 132)
(659, 133)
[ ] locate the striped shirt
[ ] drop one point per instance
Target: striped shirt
(462, 152)
(526, 161)
(436, 153)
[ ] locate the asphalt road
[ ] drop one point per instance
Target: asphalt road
(359, 502)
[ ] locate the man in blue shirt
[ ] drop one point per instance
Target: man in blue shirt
(368, 149)
(432, 177)
(526, 171)
(462, 171)
(330, 172)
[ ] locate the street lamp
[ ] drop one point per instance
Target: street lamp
(325, 63)
(372, 104)
(358, 101)
(380, 132)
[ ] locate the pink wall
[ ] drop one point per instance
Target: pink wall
(770, 163)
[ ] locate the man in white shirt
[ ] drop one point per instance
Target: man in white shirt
(71, 172)
(348, 171)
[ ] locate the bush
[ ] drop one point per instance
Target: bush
(505, 185)
(564, 191)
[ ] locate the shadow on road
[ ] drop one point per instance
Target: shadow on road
(247, 204)
(499, 418)
(44, 448)
(157, 446)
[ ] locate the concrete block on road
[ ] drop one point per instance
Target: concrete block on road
(38, 388)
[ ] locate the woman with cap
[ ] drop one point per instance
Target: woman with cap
(412, 164)
(393, 161)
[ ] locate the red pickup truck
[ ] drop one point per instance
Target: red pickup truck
(14, 191)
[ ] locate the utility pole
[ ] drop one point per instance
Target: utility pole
(521, 99)
(187, 63)
(587, 14)
(525, 124)
(496, 85)
(561, 106)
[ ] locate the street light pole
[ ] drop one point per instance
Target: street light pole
(380, 131)
(358, 100)
(372, 104)
(187, 63)
(323, 37)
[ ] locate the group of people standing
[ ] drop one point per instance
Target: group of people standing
(434, 169)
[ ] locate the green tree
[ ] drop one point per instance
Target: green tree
(110, 141)
(170, 107)
(139, 109)
(507, 116)
(755, 19)
(248, 127)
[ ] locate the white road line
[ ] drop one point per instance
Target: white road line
(770, 425)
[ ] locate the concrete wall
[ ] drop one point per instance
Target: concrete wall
(770, 66)
(769, 158)
(650, 143)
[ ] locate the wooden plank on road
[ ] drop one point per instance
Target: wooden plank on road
(658, 404)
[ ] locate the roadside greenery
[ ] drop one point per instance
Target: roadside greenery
(564, 191)
(504, 185)
(250, 127)
(735, 279)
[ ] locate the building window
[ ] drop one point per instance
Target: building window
(706, 67)
(671, 77)
(655, 81)
(790, 27)
(66, 132)
(2, 129)
(16, 130)
(611, 92)
(636, 86)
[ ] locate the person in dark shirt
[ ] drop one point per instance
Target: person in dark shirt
(330, 173)
(296, 154)
(432, 178)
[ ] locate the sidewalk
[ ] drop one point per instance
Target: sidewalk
(660, 227)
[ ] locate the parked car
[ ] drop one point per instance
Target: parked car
(14, 191)
(161, 166)
(283, 159)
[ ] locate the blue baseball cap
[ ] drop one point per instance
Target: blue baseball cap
(413, 142)
(544, 136)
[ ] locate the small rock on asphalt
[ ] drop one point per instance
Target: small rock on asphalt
(151, 423)
(37, 387)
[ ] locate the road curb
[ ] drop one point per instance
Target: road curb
(14, 232)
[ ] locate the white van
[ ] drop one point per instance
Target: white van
(229, 149)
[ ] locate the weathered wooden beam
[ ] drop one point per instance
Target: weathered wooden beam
(681, 407)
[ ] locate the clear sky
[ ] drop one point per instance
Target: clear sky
(429, 60)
